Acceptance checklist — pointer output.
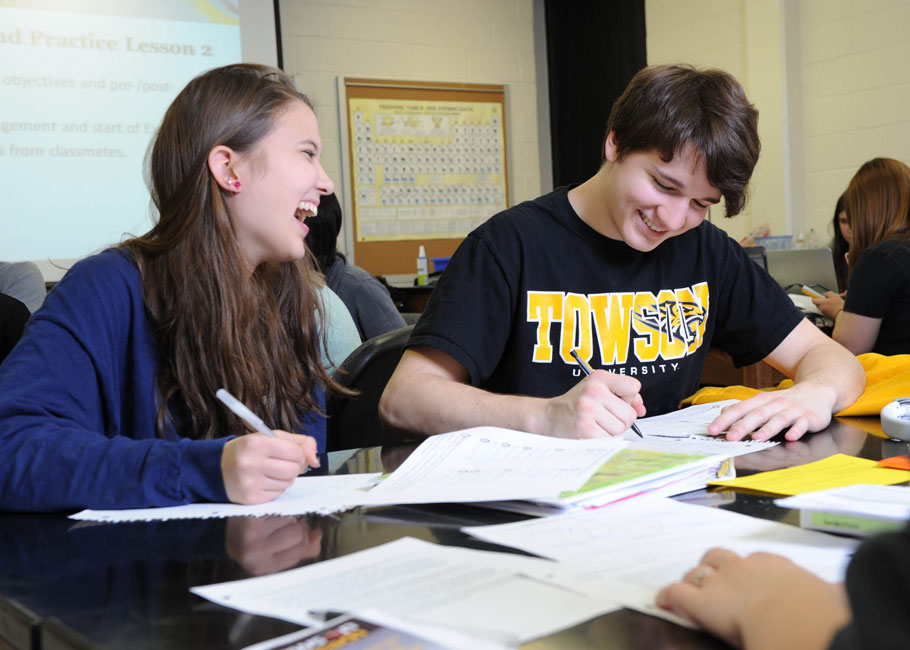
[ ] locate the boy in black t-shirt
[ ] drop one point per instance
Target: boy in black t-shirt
(624, 270)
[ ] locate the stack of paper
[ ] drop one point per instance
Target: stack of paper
(490, 463)
(859, 510)
(631, 550)
(687, 422)
(516, 470)
(686, 432)
(631, 472)
(501, 596)
(519, 471)
(483, 463)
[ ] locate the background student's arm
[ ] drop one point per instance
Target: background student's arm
(831, 305)
(827, 379)
(429, 393)
(855, 332)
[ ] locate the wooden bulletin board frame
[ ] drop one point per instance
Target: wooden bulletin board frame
(489, 189)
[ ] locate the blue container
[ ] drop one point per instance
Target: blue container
(439, 263)
(778, 243)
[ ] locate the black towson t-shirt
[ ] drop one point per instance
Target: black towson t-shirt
(535, 282)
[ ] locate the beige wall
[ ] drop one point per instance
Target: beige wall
(830, 78)
(746, 39)
(856, 67)
(473, 41)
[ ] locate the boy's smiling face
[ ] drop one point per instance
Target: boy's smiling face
(650, 201)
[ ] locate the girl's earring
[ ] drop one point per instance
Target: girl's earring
(235, 185)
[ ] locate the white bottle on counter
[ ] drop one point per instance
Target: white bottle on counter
(422, 267)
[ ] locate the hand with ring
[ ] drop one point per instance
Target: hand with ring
(701, 572)
(762, 601)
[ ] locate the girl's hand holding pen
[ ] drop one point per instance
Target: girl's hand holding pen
(257, 468)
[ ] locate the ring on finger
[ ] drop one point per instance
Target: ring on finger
(700, 574)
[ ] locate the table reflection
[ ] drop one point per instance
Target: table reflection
(838, 438)
(127, 584)
(263, 545)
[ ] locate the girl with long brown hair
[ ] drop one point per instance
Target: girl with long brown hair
(109, 399)
(875, 317)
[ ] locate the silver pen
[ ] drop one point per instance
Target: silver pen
(243, 412)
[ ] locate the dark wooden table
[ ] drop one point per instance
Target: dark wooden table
(720, 371)
(410, 298)
(66, 584)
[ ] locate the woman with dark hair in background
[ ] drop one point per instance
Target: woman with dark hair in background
(109, 399)
(840, 244)
(365, 297)
(875, 317)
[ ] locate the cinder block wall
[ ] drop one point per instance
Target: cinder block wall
(831, 79)
(469, 41)
(856, 62)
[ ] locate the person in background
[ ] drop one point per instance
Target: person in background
(875, 316)
(840, 244)
(109, 399)
(24, 282)
(341, 336)
(13, 317)
(624, 270)
(765, 602)
(22, 291)
(365, 297)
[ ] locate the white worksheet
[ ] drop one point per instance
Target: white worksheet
(480, 464)
(686, 432)
(308, 495)
(887, 502)
(693, 420)
(492, 464)
(629, 551)
(478, 592)
(701, 445)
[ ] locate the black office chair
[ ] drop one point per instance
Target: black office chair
(13, 316)
(757, 254)
(354, 421)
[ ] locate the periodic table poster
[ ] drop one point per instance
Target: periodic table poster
(427, 165)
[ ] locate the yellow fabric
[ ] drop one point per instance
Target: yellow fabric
(887, 378)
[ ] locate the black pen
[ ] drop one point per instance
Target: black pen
(326, 615)
(587, 370)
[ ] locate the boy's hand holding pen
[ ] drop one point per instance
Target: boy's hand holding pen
(588, 371)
